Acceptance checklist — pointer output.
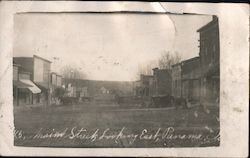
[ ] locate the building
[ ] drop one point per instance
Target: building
(176, 80)
(190, 79)
(53, 79)
(39, 70)
(18, 86)
(162, 82)
(56, 82)
(146, 85)
(71, 90)
(210, 62)
(23, 87)
(137, 88)
(25, 94)
(84, 92)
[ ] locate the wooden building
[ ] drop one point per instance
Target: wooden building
(23, 87)
(39, 70)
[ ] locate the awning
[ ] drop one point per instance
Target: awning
(43, 86)
(19, 84)
(34, 89)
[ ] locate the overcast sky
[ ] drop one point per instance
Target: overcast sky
(106, 46)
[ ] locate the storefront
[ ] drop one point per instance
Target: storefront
(23, 90)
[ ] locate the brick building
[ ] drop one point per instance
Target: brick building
(210, 62)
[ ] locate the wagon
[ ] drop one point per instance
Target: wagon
(162, 101)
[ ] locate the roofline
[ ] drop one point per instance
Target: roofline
(22, 58)
(176, 64)
(162, 69)
(214, 20)
(35, 56)
(147, 75)
(191, 59)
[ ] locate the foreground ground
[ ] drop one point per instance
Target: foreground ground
(100, 125)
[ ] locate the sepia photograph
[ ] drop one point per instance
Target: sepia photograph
(116, 80)
(124, 79)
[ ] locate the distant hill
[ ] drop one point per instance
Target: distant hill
(124, 88)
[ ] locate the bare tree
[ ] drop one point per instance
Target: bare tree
(165, 61)
(72, 72)
(147, 68)
(168, 59)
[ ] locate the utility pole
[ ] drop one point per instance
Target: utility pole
(48, 94)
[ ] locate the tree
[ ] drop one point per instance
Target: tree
(71, 72)
(146, 69)
(165, 61)
(168, 59)
(59, 92)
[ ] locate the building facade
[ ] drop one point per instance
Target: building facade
(137, 88)
(56, 82)
(39, 70)
(210, 62)
(190, 79)
(23, 87)
(25, 95)
(21, 93)
(176, 80)
(162, 82)
(147, 85)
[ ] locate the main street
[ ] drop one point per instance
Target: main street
(99, 125)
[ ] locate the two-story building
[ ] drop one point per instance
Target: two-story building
(39, 73)
(56, 80)
(176, 80)
(23, 87)
(210, 62)
(190, 79)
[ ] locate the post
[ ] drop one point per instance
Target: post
(48, 91)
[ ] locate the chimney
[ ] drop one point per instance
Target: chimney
(155, 70)
(215, 18)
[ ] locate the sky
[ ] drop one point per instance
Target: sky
(106, 46)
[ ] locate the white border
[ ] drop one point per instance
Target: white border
(234, 33)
